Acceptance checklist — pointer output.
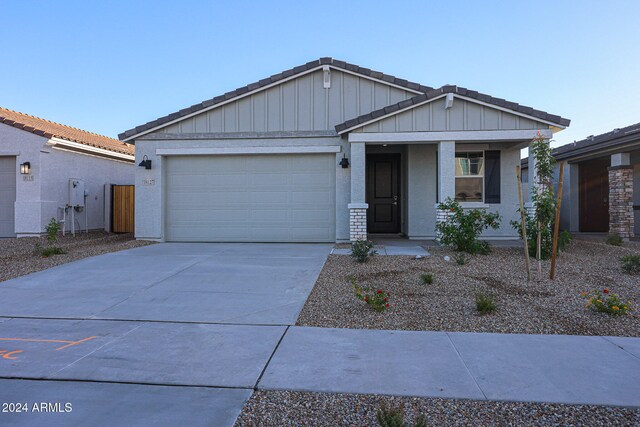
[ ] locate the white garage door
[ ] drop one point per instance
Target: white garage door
(7, 196)
(251, 198)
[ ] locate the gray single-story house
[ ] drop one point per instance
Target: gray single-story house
(599, 181)
(49, 170)
(329, 151)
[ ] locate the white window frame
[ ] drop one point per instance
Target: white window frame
(481, 202)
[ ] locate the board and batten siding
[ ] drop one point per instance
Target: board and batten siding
(300, 104)
(463, 115)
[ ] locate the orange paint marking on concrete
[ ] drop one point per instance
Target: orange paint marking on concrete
(7, 354)
(68, 343)
(72, 343)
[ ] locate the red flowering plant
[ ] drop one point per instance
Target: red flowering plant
(378, 299)
(606, 302)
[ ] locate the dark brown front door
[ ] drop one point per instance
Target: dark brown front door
(383, 193)
(594, 195)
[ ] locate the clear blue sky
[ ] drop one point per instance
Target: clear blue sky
(109, 66)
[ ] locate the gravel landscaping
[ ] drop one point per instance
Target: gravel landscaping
(448, 304)
(288, 408)
(18, 257)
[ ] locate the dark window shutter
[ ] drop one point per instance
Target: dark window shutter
(492, 176)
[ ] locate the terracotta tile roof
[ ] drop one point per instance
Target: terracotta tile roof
(434, 93)
(49, 129)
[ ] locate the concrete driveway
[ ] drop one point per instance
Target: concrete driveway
(170, 323)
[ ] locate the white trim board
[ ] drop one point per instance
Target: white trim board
(458, 136)
(260, 89)
(101, 152)
(247, 150)
(464, 98)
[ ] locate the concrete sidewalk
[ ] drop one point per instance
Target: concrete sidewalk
(537, 368)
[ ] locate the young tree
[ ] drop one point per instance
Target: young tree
(540, 224)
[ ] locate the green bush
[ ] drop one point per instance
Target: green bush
(485, 303)
(546, 238)
(461, 259)
(52, 229)
(394, 417)
(362, 250)
(427, 278)
(614, 239)
(631, 264)
(52, 250)
(462, 227)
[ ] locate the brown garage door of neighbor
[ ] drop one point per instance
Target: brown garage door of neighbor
(122, 202)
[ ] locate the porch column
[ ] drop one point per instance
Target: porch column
(621, 195)
(358, 206)
(446, 176)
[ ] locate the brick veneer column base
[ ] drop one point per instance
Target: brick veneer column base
(358, 221)
(621, 201)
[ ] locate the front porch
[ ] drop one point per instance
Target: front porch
(398, 179)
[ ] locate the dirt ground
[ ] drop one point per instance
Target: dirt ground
(448, 304)
(19, 257)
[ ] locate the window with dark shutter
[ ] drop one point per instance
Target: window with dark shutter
(492, 177)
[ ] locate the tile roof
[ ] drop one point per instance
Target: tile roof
(273, 79)
(591, 144)
(49, 129)
(434, 93)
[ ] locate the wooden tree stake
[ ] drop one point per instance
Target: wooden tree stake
(524, 224)
(556, 228)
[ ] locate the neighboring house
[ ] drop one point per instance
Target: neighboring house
(38, 158)
(599, 180)
(329, 151)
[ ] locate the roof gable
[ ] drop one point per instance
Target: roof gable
(269, 82)
(458, 92)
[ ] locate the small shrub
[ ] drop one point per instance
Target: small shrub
(362, 250)
(378, 300)
(461, 259)
(614, 239)
(427, 278)
(485, 303)
(52, 250)
(606, 302)
(631, 264)
(564, 238)
(462, 227)
(394, 417)
(52, 229)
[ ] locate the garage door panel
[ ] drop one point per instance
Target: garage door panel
(251, 198)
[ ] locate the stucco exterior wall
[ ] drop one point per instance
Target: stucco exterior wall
(58, 166)
(150, 183)
(39, 197)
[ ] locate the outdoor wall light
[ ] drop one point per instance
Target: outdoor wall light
(25, 168)
(146, 163)
(344, 162)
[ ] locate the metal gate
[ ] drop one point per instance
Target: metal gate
(123, 205)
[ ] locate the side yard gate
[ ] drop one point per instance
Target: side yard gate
(123, 205)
